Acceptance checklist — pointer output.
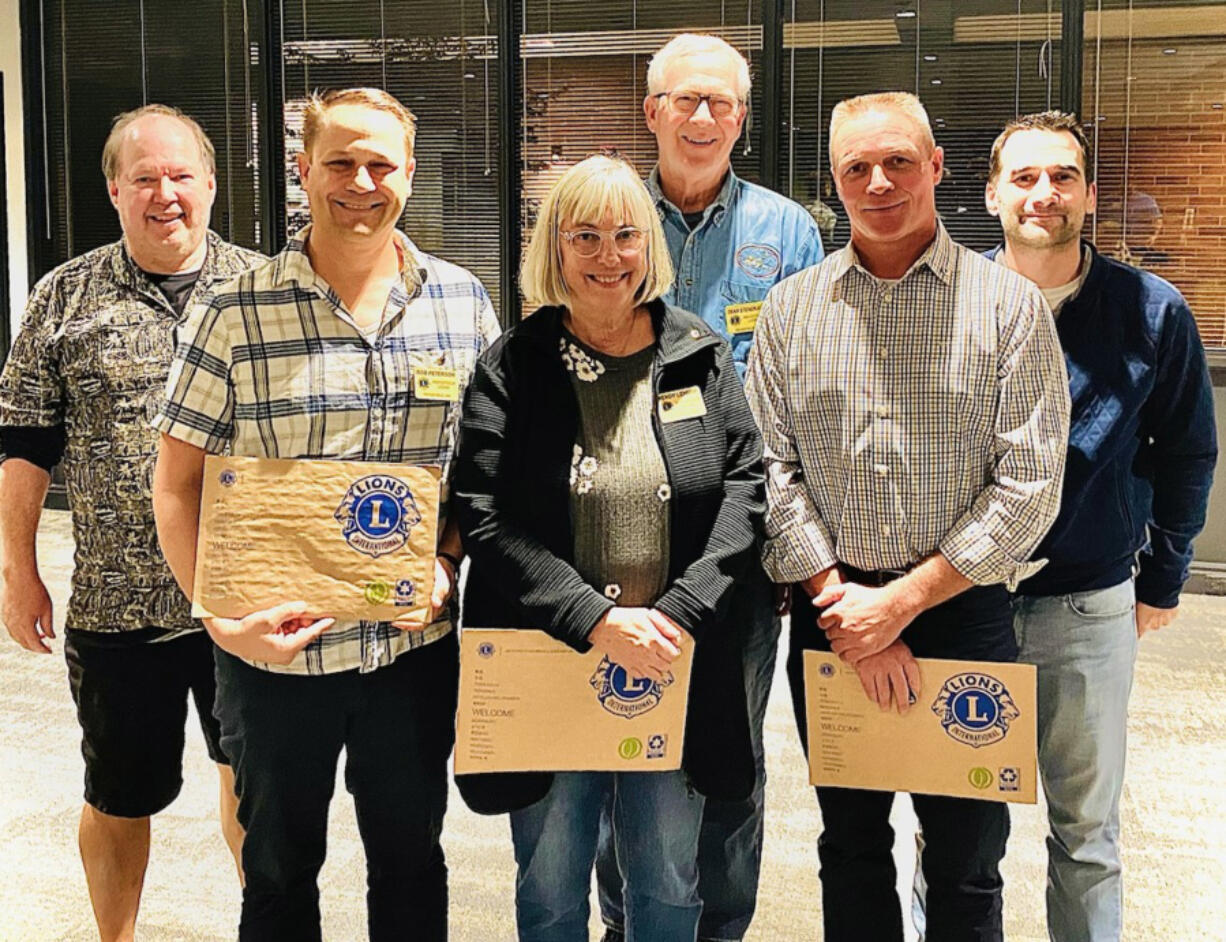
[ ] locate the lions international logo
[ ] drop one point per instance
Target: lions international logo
(758, 260)
(975, 709)
(625, 697)
(376, 515)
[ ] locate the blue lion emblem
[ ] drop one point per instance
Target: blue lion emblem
(376, 514)
(621, 695)
(975, 709)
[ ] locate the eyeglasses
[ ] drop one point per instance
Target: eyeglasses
(586, 242)
(720, 106)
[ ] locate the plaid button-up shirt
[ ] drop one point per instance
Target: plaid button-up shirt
(273, 366)
(902, 418)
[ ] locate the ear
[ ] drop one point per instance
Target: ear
(651, 110)
(304, 166)
(938, 165)
(409, 170)
(990, 200)
(112, 190)
(211, 184)
(1092, 199)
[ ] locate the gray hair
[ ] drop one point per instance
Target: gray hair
(903, 103)
(689, 44)
(121, 123)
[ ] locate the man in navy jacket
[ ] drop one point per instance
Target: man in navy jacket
(1142, 447)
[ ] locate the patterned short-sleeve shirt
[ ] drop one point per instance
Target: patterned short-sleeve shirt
(273, 366)
(92, 354)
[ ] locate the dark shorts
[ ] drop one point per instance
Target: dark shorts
(131, 698)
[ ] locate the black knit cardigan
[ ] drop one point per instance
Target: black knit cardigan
(511, 496)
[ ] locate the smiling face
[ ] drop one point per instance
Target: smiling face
(1040, 193)
(357, 175)
(696, 144)
(163, 193)
(605, 284)
(887, 179)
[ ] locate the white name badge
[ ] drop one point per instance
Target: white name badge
(678, 404)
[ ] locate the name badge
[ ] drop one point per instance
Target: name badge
(436, 382)
(678, 404)
(742, 318)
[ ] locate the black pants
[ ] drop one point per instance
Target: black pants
(964, 839)
(284, 734)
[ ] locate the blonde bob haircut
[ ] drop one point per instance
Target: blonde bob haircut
(583, 196)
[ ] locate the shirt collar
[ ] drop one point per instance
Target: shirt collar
(940, 258)
(719, 206)
(294, 265)
(128, 273)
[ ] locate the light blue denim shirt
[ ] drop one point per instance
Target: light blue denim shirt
(748, 239)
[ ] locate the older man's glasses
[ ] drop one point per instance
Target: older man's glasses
(586, 242)
(720, 106)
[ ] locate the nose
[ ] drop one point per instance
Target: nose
(1043, 190)
(879, 182)
(362, 180)
(608, 254)
(702, 114)
(166, 189)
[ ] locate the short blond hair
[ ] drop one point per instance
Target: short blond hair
(694, 44)
(376, 98)
(903, 103)
(585, 194)
(121, 123)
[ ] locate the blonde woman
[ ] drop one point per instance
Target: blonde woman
(589, 516)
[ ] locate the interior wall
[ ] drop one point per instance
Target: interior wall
(14, 157)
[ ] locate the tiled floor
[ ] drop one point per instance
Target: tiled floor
(1174, 828)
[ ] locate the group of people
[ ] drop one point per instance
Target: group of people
(921, 450)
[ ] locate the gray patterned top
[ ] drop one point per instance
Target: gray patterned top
(92, 353)
(619, 485)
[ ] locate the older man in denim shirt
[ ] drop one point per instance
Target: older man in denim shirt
(731, 241)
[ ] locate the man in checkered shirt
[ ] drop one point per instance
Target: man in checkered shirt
(914, 410)
(312, 356)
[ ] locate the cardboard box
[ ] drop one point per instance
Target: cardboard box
(530, 703)
(971, 732)
(355, 539)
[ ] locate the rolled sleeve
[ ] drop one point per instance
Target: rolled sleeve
(199, 404)
(798, 543)
(993, 541)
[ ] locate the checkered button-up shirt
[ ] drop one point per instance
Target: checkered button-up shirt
(928, 414)
(273, 366)
(92, 354)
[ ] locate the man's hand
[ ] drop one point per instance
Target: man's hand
(445, 578)
(861, 621)
(890, 673)
(643, 641)
(27, 611)
(273, 636)
(1148, 618)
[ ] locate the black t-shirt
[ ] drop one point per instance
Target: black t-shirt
(176, 288)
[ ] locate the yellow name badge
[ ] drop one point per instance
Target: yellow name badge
(678, 404)
(436, 382)
(742, 318)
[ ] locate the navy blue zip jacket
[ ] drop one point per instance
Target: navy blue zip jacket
(1142, 439)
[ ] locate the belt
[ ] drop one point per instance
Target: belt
(873, 577)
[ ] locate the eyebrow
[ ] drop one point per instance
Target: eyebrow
(1072, 167)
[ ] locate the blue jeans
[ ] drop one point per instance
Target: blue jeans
(730, 846)
(1084, 645)
(656, 818)
(284, 734)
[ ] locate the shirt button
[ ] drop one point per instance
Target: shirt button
(883, 412)
(881, 469)
(883, 353)
(689, 282)
(695, 333)
(885, 529)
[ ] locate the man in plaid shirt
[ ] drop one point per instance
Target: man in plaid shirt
(914, 413)
(312, 356)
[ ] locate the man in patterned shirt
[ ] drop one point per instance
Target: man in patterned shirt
(313, 356)
(914, 410)
(87, 371)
